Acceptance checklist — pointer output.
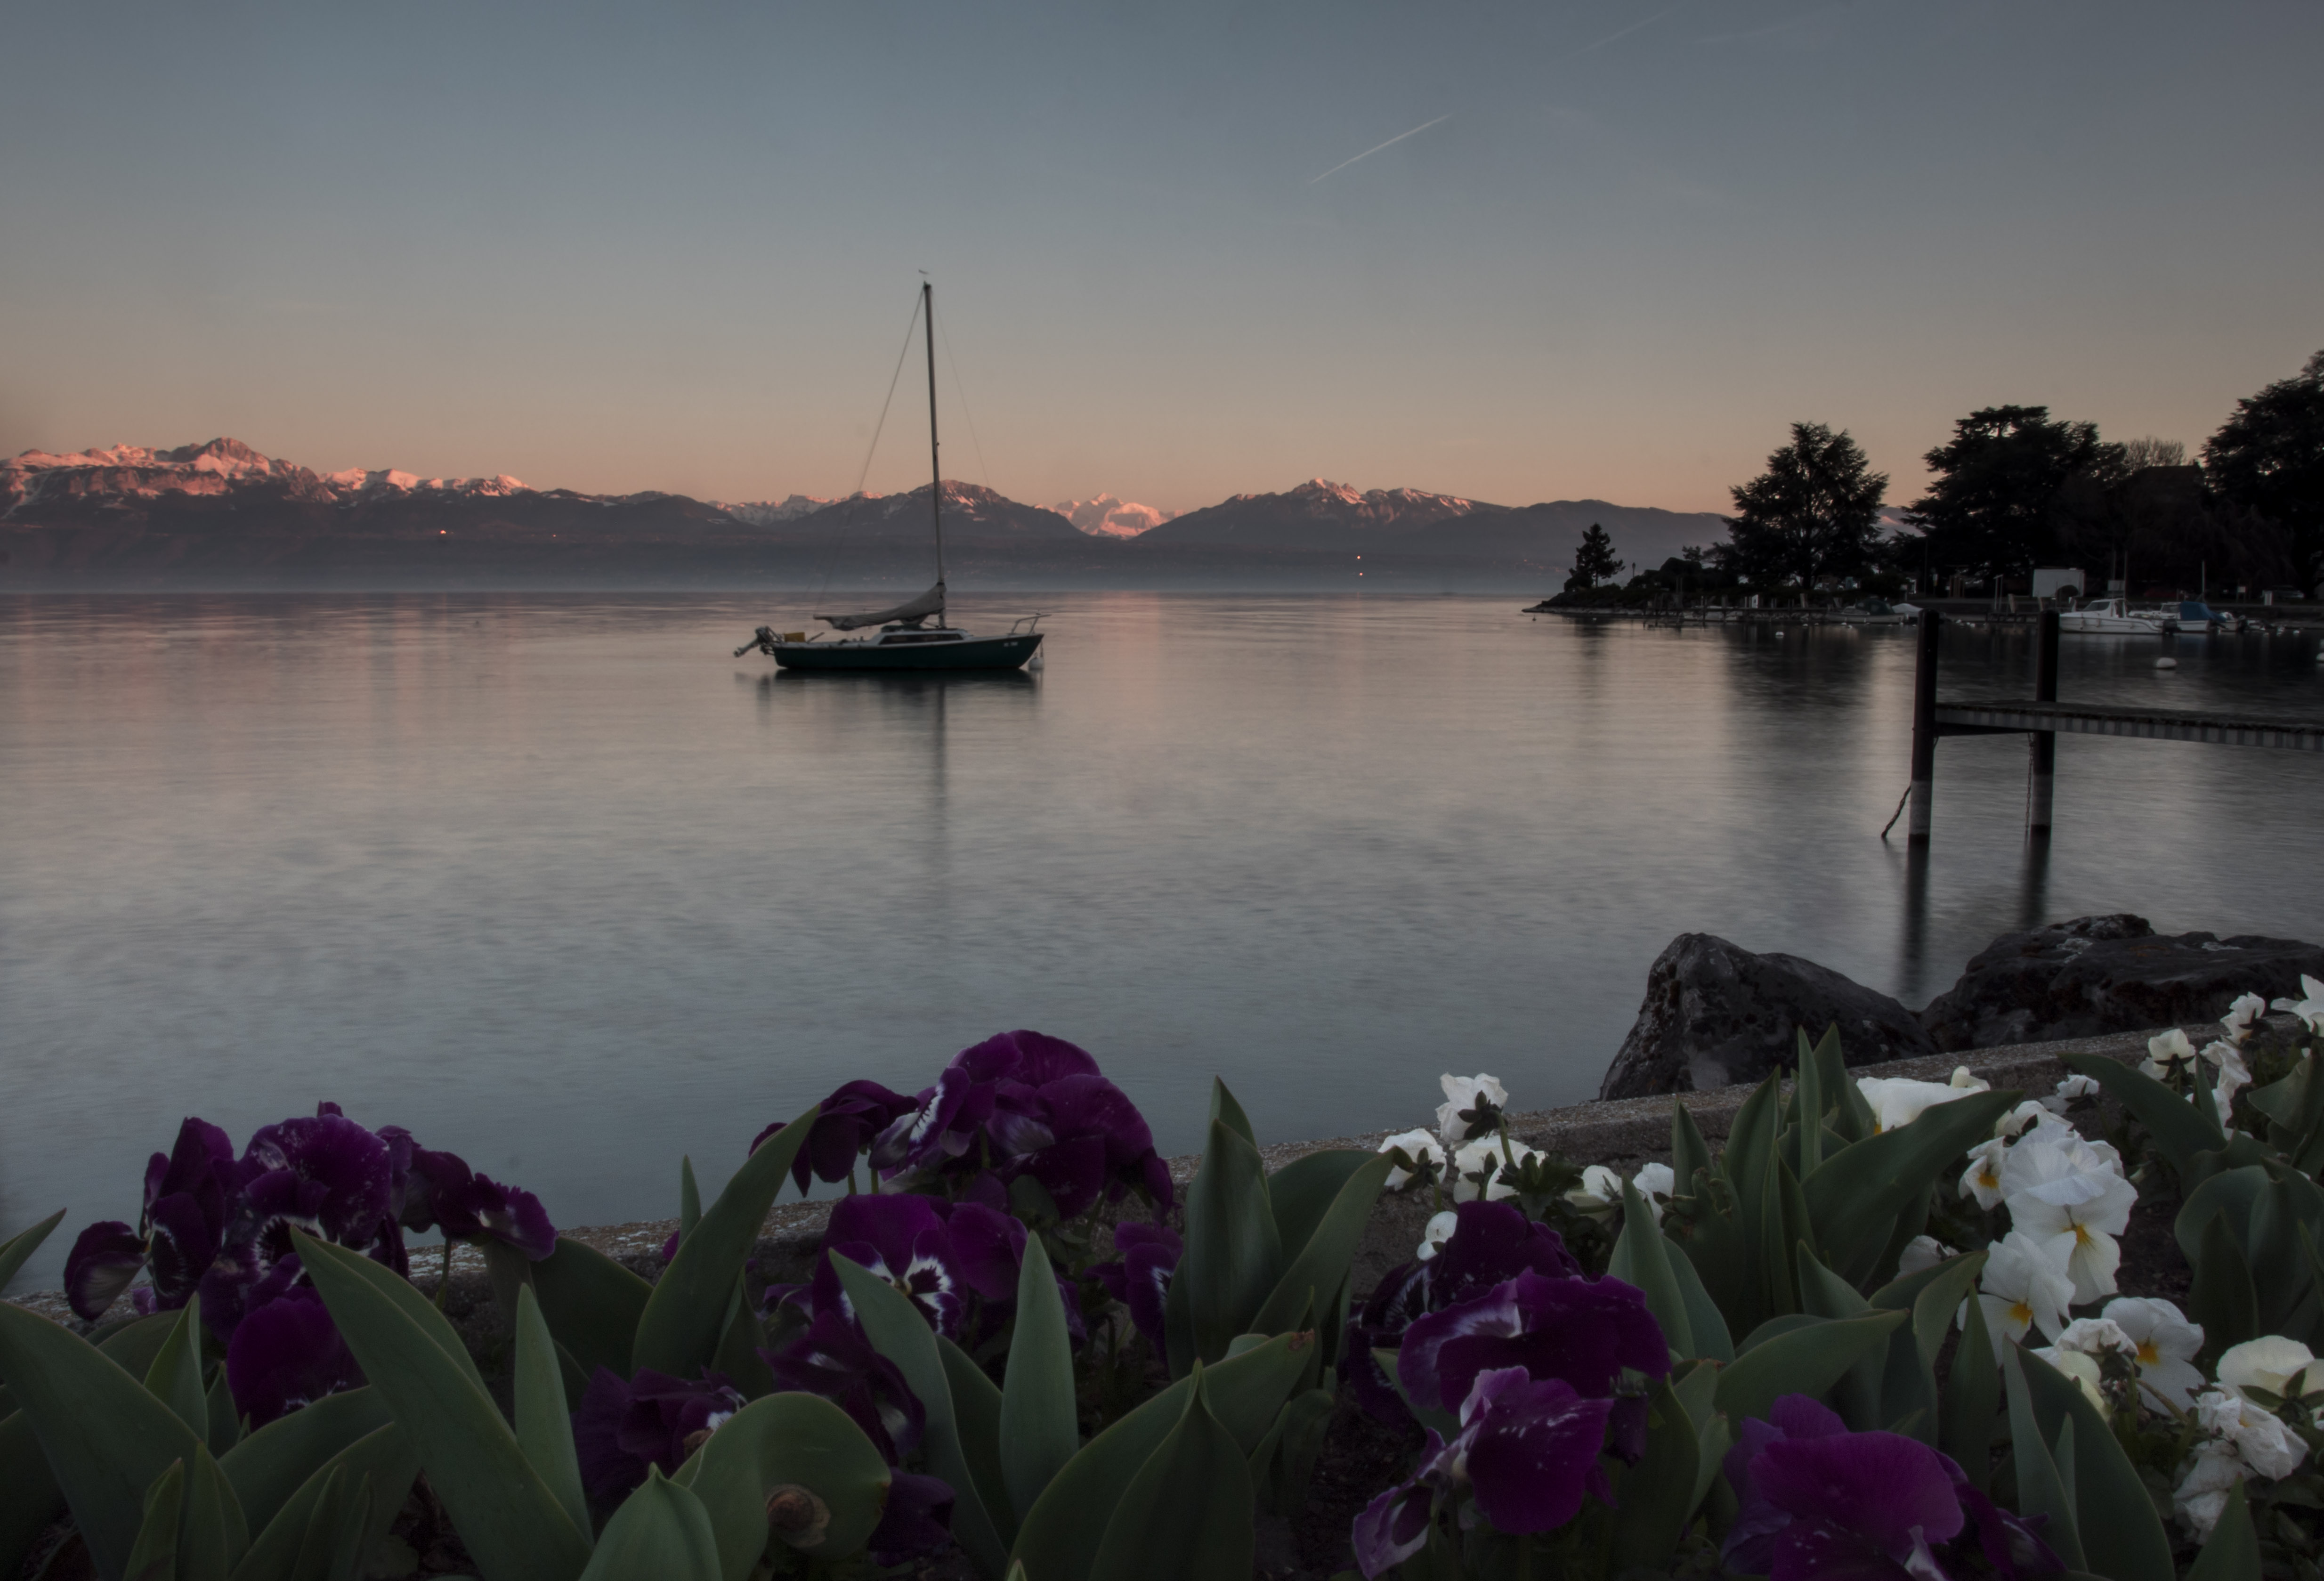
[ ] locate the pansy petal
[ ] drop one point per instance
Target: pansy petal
(286, 1354)
(99, 1267)
(916, 1520)
(1532, 1452)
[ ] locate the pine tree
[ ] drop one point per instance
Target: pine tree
(1593, 561)
(1815, 513)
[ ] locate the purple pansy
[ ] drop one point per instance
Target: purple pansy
(443, 1191)
(1582, 1330)
(188, 1204)
(835, 1360)
(916, 1519)
(1025, 1104)
(1528, 1450)
(654, 1419)
(1139, 1278)
(1491, 1241)
(845, 1124)
(1814, 1500)
(956, 1261)
(287, 1353)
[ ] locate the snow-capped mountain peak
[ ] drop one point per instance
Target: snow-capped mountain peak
(1106, 515)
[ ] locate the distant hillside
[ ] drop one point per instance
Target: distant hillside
(221, 514)
(1333, 518)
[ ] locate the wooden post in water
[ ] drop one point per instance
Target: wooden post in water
(1924, 731)
(2042, 746)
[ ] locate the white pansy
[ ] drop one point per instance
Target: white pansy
(2093, 1335)
(1967, 1083)
(1420, 1147)
(2022, 1287)
(1461, 1093)
(2310, 1009)
(2167, 1052)
(1922, 1252)
(1600, 1193)
(1654, 1182)
(2065, 1199)
(2234, 1074)
(1898, 1100)
(2243, 1440)
(2165, 1343)
(1982, 1178)
(2083, 1369)
(2284, 1367)
(1438, 1231)
(1485, 1153)
(2243, 1015)
(2071, 1090)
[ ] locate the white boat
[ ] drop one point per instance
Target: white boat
(2110, 617)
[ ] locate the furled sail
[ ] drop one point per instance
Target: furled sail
(931, 602)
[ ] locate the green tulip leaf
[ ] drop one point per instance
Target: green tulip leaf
(175, 1376)
(154, 1555)
(1224, 1107)
(1302, 1193)
(1233, 1255)
(1654, 1498)
(591, 1305)
(23, 1244)
(787, 1441)
(2045, 1487)
(1189, 1511)
(544, 1427)
(274, 1463)
(686, 1316)
(2224, 1297)
(381, 1459)
(661, 1532)
(1805, 1361)
(2177, 1128)
(2121, 1535)
(104, 1438)
(514, 1525)
(1039, 1425)
(1972, 1398)
(976, 1412)
(2232, 1552)
(1641, 1258)
(898, 1331)
(1315, 1275)
(1854, 1198)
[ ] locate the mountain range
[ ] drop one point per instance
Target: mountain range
(222, 514)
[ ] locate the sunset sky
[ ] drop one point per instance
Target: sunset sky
(675, 246)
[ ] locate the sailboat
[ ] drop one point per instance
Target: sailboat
(904, 639)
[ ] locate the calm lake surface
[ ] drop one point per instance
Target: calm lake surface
(555, 882)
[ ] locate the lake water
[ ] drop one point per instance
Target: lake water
(559, 884)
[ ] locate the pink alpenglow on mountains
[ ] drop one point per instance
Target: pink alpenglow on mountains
(1109, 516)
(213, 469)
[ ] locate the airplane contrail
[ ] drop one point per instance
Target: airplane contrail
(1368, 153)
(1626, 31)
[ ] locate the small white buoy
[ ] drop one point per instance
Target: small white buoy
(2166, 664)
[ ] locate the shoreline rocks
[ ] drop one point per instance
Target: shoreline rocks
(1717, 1015)
(2108, 974)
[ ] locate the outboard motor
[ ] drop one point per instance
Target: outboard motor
(764, 642)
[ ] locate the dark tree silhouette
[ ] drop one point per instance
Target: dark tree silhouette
(1991, 509)
(1593, 561)
(1815, 513)
(2269, 460)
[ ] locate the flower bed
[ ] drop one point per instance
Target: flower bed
(1892, 1326)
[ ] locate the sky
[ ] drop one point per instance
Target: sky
(1625, 244)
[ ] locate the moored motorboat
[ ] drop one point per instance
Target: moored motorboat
(2109, 617)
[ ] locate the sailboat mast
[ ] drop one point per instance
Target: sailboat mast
(935, 466)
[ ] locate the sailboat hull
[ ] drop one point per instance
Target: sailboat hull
(976, 653)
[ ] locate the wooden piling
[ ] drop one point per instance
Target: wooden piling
(1924, 732)
(2042, 746)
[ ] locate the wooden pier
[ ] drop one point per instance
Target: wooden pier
(2042, 718)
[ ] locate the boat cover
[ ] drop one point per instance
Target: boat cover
(931, 602)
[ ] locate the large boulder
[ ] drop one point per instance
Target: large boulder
(2110, 974)
(1716, 1015)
